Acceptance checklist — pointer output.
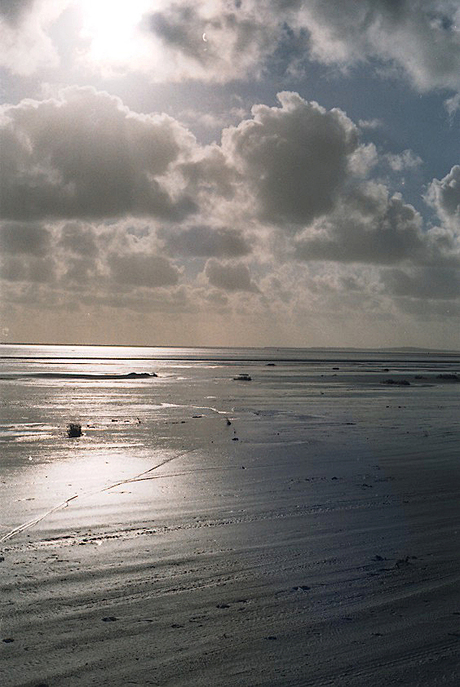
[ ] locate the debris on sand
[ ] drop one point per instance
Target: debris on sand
(404, 562)
(74, 430)
(396, 382)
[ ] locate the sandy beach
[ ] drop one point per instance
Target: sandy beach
(298, 529)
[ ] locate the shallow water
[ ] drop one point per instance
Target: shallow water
(131, 423)
(322, 521)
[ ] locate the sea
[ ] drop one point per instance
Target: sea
(141, 407)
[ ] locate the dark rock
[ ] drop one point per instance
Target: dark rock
(74, 430)
(244, 377)
(449, 377)
(109, 619)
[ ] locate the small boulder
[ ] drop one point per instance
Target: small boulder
(74, 430)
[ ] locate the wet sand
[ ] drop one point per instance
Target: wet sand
(303, 544)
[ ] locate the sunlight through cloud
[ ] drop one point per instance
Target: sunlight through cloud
(112, 31)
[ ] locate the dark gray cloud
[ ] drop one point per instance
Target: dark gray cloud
(230, 276)
(294, 159)
(79, 239)
(27, 253)
(180, 27)
(211, 170)
(17, 237)
(217, 41)
(138, 269)
(27, 268)
(418, 36)
(81, 274)
(390, 231)
(203, 241)
(86, 155)
(14, 10)
(426, 283)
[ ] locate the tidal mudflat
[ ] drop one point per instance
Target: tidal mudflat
(300, 527)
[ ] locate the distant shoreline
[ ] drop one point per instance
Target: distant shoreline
(351, 349)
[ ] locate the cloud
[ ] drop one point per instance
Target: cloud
(19, 238)
(86, 155)
(229, 276)
(419, 37)
(204, 241)
(452, 106)
(372, 227)
(286, 225)
(13, 11)
(32, 269)
(79, 239)
(97, 259)
(427, 283)
(24, 34)
(221, 41)
(26, 253)
(444, 196)
(294, 158)
(210, 171)
(370, 123)
(218, 41)
(402, 161)
(138, 269)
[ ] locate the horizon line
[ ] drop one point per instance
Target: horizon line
(230, 347)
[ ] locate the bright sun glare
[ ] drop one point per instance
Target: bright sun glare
(110, 26)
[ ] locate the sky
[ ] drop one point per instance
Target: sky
(230, 172)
